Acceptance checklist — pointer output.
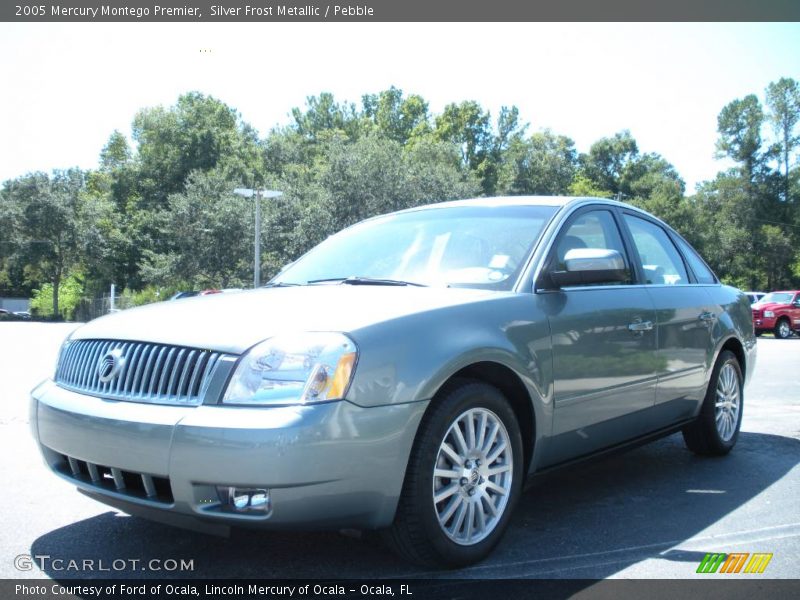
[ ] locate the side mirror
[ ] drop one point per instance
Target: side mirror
(591, 265)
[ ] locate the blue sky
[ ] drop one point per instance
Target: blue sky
(66, 87)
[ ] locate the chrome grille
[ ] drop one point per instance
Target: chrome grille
(154, 373)
(756, 314)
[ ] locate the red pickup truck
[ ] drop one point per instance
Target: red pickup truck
(778, 312)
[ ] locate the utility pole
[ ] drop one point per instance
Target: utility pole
(257, 194)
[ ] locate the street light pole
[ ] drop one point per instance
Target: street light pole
(257, 245)
(258, 194)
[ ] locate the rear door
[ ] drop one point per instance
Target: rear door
(685, 317)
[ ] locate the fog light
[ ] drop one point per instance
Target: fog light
(245, 500)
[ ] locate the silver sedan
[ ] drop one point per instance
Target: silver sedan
(407, 375)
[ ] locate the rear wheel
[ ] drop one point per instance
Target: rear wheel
(463, 479)
(716, 430)
(783, 329)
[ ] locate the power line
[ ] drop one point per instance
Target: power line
(777, 223)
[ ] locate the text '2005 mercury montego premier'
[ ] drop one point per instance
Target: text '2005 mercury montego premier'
(406, 375)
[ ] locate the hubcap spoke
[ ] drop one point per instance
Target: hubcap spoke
(445, 493)
(460, 441)
(497, 451)
(470, 426)
(492, 436)
(491, 485)
(498, 470)
(482, 421)
(451, 454)
(446, 473)
(462, 512)
(481, 516)
(470, 519)
(490, 506)
(451, 509)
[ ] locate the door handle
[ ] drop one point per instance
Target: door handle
(707, 316)
(641, 326)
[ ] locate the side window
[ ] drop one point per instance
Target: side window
(660, 259)
(701, 271)
(593, 229)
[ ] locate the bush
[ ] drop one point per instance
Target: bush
(70, 293)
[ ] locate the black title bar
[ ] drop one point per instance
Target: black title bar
(398, 10)
(710, 588)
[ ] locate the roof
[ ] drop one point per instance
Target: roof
(513, 201)
(555, 201)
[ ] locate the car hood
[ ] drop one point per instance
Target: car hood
(233, 322)
(770, 306)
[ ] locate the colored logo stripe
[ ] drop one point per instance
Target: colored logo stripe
(734, 562)
(711, 563)
(758, 563)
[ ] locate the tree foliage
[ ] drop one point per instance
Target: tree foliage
(158, 214)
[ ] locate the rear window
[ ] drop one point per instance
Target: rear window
(701, 271)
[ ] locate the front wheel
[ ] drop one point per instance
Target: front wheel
(783, 330)
(463, 479)
(716, 429)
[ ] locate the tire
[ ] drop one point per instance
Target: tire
(439, 518)
(783, 329)
(758, 332)
(716, 429)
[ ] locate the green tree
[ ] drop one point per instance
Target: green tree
(739, 126)
(607, 159)
(116, 153)
(645, 174)
(11, 275)
(50, 225)
(70, 294)
(543, 164)
(323, 113)
(395, 117)
(775, 253)
(783, 102)
(581, 185)
(433, 173)
(468, 126)
(208, 233)
(198, 133)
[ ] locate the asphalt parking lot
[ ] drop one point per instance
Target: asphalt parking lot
(650, 513)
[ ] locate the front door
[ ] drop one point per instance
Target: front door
(604, 348)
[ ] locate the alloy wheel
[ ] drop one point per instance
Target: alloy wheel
(727, 402)
(472, 476)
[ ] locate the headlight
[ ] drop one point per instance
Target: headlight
(769, 314)
(294, 369)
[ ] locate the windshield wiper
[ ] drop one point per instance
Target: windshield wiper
(280, 284)
(366, 281)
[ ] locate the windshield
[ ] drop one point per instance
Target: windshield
(777, 298)
(464, 246)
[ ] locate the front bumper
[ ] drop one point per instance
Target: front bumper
(329, 465)
(764, 323)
